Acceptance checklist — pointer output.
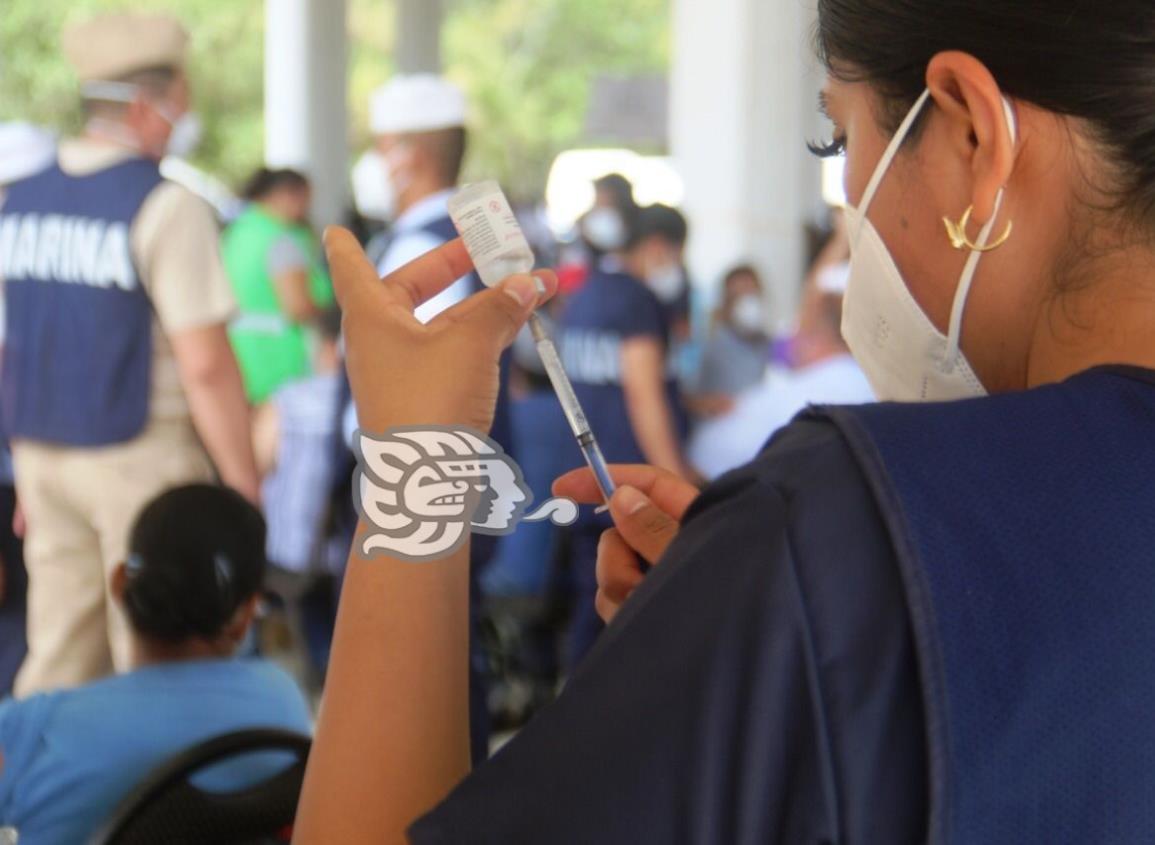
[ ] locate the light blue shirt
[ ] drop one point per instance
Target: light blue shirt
(71, 756)
(410, 241)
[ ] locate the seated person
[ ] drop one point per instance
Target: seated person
(737, 350)
(824, 373)
(189, 587)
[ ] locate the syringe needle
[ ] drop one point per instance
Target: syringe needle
(572, 408)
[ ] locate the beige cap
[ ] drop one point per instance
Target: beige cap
(112, 46)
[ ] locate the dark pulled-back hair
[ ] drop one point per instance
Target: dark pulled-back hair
(659, 221)
(196, 553)
(1087, 60)
(266, 180)
(620, 188)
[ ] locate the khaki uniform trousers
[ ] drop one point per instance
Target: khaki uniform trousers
(79, 505)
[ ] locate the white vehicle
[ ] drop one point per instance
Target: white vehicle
(570, 191)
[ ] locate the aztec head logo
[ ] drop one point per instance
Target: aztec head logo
(422, 490)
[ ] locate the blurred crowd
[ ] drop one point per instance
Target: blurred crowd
(168, 373)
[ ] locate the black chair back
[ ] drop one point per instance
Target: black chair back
(167, 807)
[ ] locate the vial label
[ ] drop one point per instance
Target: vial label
(488, 227)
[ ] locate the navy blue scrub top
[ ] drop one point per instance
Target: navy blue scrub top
(760, 686)
(609, 309)
(975, 663)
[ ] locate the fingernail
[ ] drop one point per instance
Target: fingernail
(632, 499)
(522, 288)
(539, 283)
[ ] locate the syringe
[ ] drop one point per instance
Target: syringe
(498, 247)
(572, 408)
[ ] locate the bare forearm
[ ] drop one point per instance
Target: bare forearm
(292, 289)
(647, 405)
(221, 415)
(393, 734)
(653, 426)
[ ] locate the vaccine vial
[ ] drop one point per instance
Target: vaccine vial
(498, 247)
(492, 236)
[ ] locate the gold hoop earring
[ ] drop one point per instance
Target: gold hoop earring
(957, 232)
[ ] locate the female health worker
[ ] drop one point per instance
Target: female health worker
(274, 262)
(923, 620)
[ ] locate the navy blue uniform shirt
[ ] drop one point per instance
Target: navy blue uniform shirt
(900, 623)
(760, 686)
(609, 309)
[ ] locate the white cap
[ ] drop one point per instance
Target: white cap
(25, 150)
(419, 103)
(833, 279)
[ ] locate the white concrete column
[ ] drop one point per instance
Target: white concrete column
(742, 106)
(306, 116)
(418, 47)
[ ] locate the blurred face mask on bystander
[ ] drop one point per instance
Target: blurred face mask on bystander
(185, 128)
(748, 314)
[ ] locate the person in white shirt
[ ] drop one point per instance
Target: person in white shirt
(825, 373)
(419, 142)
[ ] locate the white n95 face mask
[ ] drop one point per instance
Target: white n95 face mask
(904, 356)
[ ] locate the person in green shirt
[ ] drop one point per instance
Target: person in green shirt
(274, 262)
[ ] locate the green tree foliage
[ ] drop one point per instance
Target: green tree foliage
(37, 84)
(527, 65)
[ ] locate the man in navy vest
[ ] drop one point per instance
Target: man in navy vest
(117, 374)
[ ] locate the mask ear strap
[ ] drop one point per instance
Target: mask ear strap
(116, 92)
(964, 286)
(892, 151)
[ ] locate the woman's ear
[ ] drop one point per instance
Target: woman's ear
(977, 123)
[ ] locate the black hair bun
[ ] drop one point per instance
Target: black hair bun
(197, 553)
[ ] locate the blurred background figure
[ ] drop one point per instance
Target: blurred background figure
(190, 586)
(419, 144)
(274, 262)
(419, 140)
(118, 373)
(25, 150)
(737, 348)
(293, 435)
(824, 374)
(615, 341)
(606, 227)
